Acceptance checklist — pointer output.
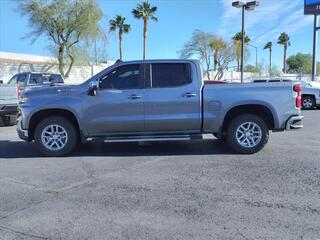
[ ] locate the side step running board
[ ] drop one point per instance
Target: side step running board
(155, 138)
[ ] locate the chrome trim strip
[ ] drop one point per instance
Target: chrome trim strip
(294, 122)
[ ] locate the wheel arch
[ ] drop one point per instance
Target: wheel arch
(257, 109)
(40, 115)
(309, 95)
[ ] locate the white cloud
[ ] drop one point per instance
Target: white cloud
(267, 21)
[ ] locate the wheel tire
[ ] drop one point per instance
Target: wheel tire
(235, 125)
(72, 136)
(308, 103)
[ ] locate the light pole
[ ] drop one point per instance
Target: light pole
(244, 6)
(256, 48)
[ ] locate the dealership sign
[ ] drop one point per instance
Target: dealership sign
(312, 7)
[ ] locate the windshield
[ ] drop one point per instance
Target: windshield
(18, 78)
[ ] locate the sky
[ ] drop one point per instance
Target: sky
(177, 20)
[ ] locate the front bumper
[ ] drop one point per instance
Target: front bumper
(6, 110)
(294, 122)
(23, 133)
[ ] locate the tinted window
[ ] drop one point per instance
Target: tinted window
(55, 78)
(39, 78)
(123, 77)
(274, 81)
(170, 74)
(22, 78)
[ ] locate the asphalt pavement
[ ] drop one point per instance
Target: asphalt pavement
(170, 190)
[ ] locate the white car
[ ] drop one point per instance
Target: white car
(310, 91)
(310, 95)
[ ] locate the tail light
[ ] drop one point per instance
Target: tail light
(19, 90)
(297, 88)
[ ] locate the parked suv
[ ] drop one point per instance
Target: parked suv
(157, 100)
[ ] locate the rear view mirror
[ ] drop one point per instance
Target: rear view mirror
(93, 88)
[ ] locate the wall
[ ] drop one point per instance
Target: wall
(78, 73)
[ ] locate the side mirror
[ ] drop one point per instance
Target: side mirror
(93, 88)
(1, 81)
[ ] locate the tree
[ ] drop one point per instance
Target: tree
(64, 22)
(284, 40)
(146, 12)
(237, 40)
(217, 44)
(198, 46)
(275, 72)
(225, 56)
(300, 63)
(119, 23)
(269, 46)
(96, 33)
(253, 69)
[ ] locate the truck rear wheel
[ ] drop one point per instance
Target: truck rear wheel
(56, 136)
(247, 134)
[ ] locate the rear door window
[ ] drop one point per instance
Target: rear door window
(36, 79)
(55, 78)
(170, 75)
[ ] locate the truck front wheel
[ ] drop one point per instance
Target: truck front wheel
(247, 134)
(55, 136)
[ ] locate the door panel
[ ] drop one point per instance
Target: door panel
(114, 112)
(118, 106)
(172, 108)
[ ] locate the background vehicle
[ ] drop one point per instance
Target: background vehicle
(310, 95)
(8, 104)
(310, 91)
(157, 100)
(25, 80)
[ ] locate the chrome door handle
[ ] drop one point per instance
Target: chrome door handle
(189, 95)
(134, 96)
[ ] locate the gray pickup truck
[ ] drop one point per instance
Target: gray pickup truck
(157, 100)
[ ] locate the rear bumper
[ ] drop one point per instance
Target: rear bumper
(23, 133)
(9, 110)
(294, 123)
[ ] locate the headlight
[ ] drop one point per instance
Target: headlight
(23, 99)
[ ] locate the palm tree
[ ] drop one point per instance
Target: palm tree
(269, 46)
(284, 40)
(119, 23)
(237, 39)
(146, 12)
(217, 44)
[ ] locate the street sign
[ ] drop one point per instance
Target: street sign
(312, 7)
